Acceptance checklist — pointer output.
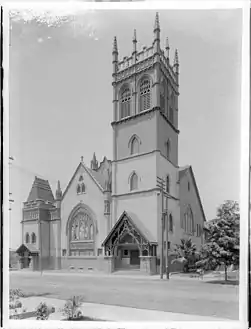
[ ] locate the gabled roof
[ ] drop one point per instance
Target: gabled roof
(40, 190)
(27, 247)
(182, 172)
(91, 173)
(135, 221)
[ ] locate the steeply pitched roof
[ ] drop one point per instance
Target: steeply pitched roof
(40, 190)
(27, 247)
(91, 174)
(135, 221)
(182, 172)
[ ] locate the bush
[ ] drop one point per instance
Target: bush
(43, 311)
(15, 303)
(72, 308)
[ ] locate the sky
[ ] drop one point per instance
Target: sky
(60, 75)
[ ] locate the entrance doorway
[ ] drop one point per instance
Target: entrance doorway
(134, 257)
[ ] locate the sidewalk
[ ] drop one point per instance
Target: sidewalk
(133, 275)
(113, 313)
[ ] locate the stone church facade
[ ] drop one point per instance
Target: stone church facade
(109, 216)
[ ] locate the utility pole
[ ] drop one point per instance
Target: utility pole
(162, 231)
(167, 229)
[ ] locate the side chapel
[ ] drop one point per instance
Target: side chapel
(109, 216)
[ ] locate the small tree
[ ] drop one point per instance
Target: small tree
(222, 245)
(186, 253)
(72, 308)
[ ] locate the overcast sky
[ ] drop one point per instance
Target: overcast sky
(61, 95)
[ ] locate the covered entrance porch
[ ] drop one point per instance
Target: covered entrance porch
(129, 246)
(28, 257)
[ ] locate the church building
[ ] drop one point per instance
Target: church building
(110, 216)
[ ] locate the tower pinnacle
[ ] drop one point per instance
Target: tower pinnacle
(156, 24)
(58, 191)
(167, 48)
(115, 46)
(134, 40)
(94, 162)
(176, 64)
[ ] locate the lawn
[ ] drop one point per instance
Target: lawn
(179, 296)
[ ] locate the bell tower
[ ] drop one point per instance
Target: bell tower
(145, 123)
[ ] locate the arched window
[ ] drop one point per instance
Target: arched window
(134, 146)
(189, 221)
(134, 182)
(168, 149)
(144, 95)
(162, 96)
(167, 184)
(125, 103)
(172, 107)
(27, 238)
(33, 238)
(82, 235)
(78, 189)
(82, 228)
(82, 187)
(170, 223)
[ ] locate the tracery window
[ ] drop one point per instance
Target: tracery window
(134, 182)
(134, 146)
(188, 224)
(145, 95)
(82, 228)
(27, 238)
(125, 103)
(33, 238)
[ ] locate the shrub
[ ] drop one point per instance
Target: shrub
(43, 311)
(72, 308)
(15, 303)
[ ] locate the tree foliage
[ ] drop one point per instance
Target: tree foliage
(222, 246)
(186, 253)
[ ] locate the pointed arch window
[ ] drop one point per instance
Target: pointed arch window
(133, 182)
(33, 238)
(168, 149)
(82, 187)
(145, 95)
(188, 221)
(125, 103)
(162, 96)
(134, 145)
(27, 238)
(167, 184)
(78, 189)
(170, 223)
(171, 109)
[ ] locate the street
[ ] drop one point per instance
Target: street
(189, 296)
